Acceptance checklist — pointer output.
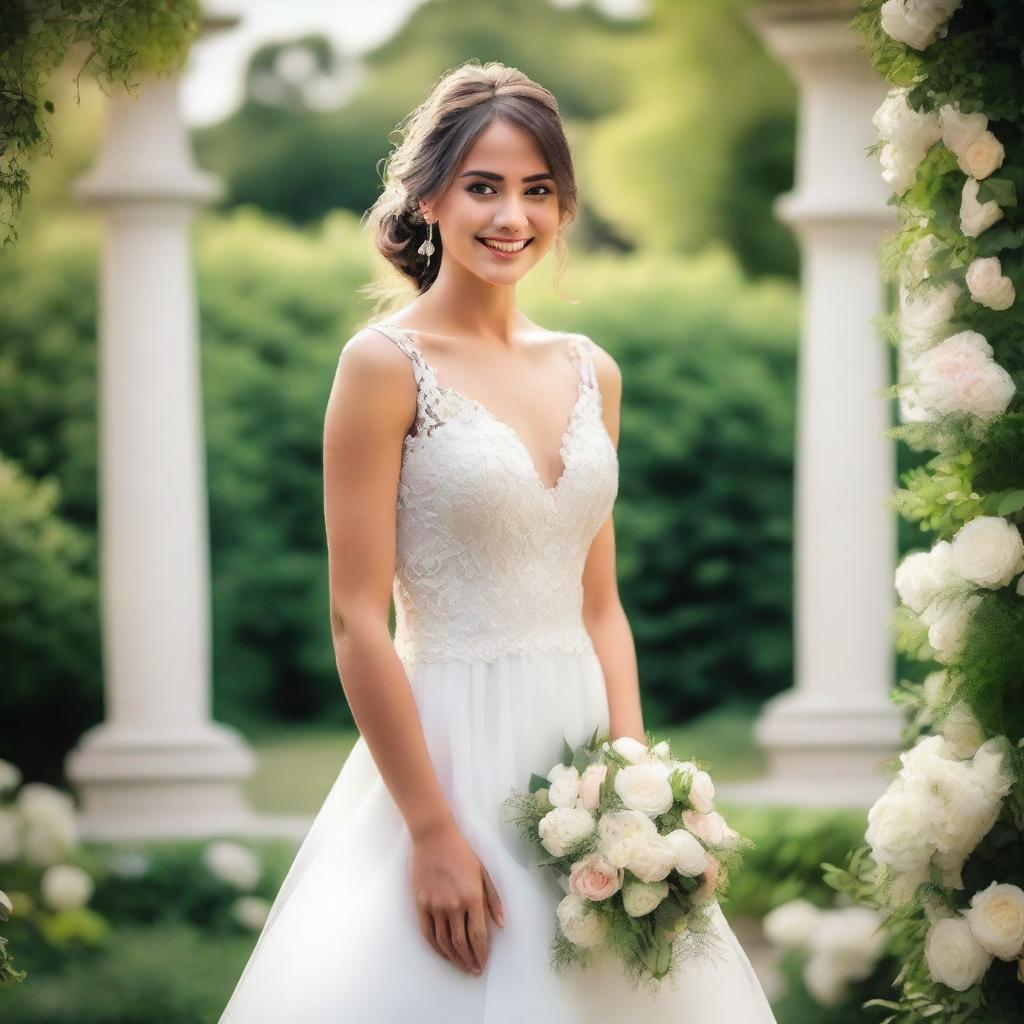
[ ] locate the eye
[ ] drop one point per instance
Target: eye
(484, 184)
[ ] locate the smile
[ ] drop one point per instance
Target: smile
(505, 248)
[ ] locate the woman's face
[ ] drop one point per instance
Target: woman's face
(502, 191)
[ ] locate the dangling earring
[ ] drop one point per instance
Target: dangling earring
(427, 248)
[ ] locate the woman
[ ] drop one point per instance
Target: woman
(470, 467)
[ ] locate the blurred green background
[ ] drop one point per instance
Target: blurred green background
(683, 133)
(677, 268)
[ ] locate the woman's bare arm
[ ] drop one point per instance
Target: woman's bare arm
(603, 615)
(371, 407)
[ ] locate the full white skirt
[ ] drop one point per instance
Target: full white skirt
(342, 943)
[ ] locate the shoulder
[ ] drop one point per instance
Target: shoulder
(373, 359)
(371, 356)
(374, 376)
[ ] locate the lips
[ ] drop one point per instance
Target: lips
(502, 251)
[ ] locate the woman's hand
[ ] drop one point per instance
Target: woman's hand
(453, 894)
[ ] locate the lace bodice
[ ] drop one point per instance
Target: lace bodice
(490, 559)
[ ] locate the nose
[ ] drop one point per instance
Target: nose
(511, 217)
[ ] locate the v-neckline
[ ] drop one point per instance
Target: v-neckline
(574, 356)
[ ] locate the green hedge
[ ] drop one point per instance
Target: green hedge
(704, 513)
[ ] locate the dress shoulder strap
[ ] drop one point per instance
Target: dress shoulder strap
(427, 415)
(583, 348)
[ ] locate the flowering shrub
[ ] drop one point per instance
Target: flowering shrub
(61, 897)
(836, 948)
(944, 860)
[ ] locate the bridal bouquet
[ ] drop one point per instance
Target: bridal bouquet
(635, 843)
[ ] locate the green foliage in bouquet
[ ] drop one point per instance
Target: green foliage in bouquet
(669, 921)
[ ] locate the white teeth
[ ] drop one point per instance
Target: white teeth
(505, 246)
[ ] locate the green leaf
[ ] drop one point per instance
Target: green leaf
(1012, 501)
(538, 782)
(1000, 189)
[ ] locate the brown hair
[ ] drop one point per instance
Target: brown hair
(437, 135)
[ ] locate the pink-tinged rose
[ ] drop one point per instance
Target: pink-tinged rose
(590, 785)
(706, 890)
(595, 878)
(710, 828)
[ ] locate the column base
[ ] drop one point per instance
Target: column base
(823, 753)
(147, 783)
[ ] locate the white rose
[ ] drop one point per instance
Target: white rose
(65, 887)
(914, 266)
(924, 314)
(557, 770)
(946, 628)
(10, 776)
(39, 802)
(10, 845)
(232, 863)
(939, 689)
(590, 785)
(561, 829)
(962, 730)
(897, 121)
(959, 130)
(899, 166)
(691, 857)
(661, 750)
(996, 918)
(645, 787)
(702, 793)
(565, 789)
(639, 898)
(632, 750)
(581, 925)
(975, 217)
(959, 375)
(250, 911)
(653, 860)
(955, 957)
(898, 832)
(988, 551)
(50, 828)
(790, 925)
(619, 831)
(988, 285)
(825, 980)
(981, 156)
(923, 575)
(963, 798)
(853, 937)
(901, 887)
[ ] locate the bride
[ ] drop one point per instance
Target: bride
(470, 469)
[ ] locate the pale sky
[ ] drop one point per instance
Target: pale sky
(212, 86)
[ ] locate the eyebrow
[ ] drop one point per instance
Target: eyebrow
(501, 177)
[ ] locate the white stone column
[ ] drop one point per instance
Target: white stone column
(158, 765)
(825, 738)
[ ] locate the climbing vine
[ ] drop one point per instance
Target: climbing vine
(944, 853)
(113, 39)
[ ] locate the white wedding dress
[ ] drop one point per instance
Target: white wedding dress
(488, 596)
